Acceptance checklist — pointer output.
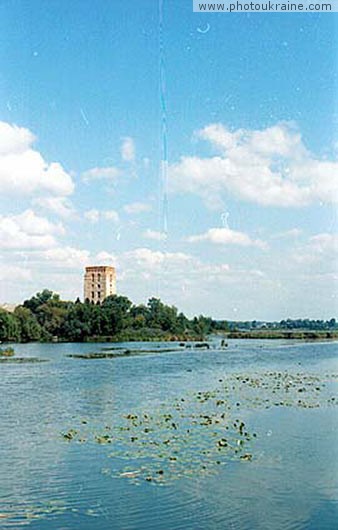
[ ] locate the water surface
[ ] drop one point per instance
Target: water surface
(285, 393)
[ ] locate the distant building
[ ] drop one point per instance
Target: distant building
(8, 307)
(99, 282)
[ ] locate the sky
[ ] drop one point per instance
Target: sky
(195, 152)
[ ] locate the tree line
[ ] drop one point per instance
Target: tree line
(46, 317)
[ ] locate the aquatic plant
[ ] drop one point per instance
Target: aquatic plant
(196, 433)
(7, 352)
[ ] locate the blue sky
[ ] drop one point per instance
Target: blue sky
(251, 179)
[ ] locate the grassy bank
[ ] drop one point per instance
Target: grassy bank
(281, 334)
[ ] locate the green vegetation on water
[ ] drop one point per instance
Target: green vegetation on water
(6, 352)
(196, 433)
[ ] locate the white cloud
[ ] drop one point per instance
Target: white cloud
(150, 258)
(101, 173)
(28, 231)
(321, 250)
(65, 257)
(68, 257)
(137, 207)
(23, 171)
(225, 236)
(155, 235)
(324, 243)
(105, 258)
(11, 271)
(92, 215)
(144, 262)
(14, 139)
(128, 149)
(111, 215)
(292, 233)
(271, 167)
(95, 215)
(60, 206)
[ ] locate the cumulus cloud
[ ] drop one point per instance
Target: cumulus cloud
(225, 236)
(68, 258)
(94, 216)
(288, 234)
(104, 257)
(23, 170)
(173, 268)
(65, 257)
(271, 167)
(320, 249)
(172, 263)
(325, 243)
(128, 149)
(28, 231)
(136, 208)
(150, 258)
(111, 215)
(60, 206)
(155, 235)
(101, 173)
(12, 271)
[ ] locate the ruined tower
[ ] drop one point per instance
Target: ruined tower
(99, 282)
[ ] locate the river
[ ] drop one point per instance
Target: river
(240, 438)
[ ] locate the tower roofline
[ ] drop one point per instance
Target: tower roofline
(100, 267)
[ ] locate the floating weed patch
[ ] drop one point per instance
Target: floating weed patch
(22, 360)
(277, 389)
(41, 510)
(166, 444)
(115, 353)
(7, 352)
(114, 348)
(100, 355)
(196, 434)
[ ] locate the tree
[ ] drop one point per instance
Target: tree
(9, 327)
(332, 323)
(77, 323)
(30, 329)
(116, 313)
(139, 315)
(162, 316)
(202, 325)
(39, 299)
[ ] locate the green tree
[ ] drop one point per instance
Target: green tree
(39, 299)
(202, 325)
(161, 316)
(30, 329)
(9, 327)
(116, 314)
(77, 323)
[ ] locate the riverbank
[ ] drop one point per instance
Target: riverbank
(281, 334)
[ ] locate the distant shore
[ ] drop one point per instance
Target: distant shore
(305, 336)
(282, 334)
